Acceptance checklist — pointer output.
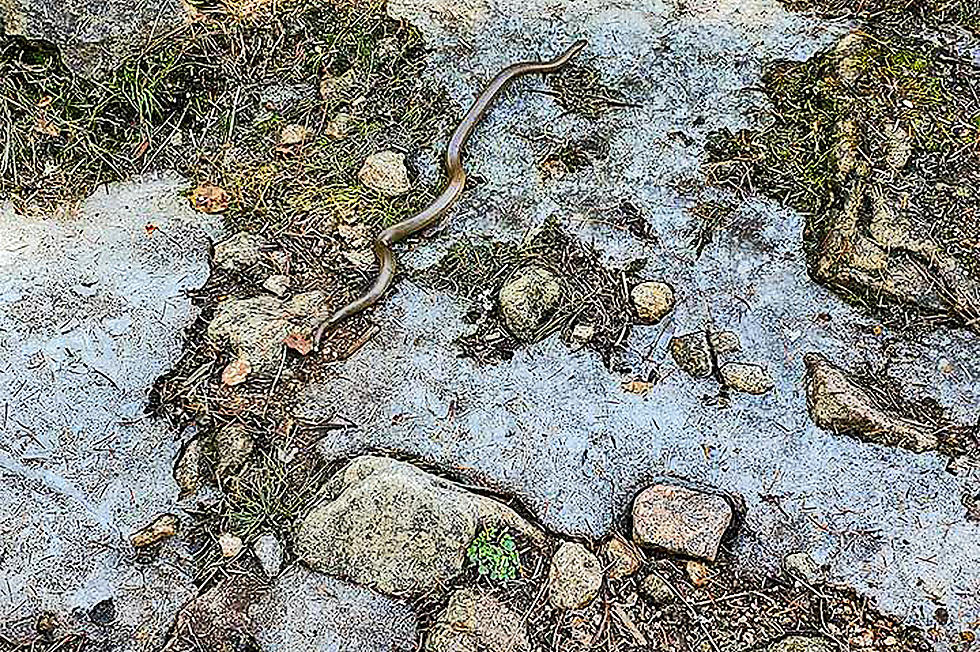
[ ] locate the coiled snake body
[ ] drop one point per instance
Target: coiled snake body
(449, 195)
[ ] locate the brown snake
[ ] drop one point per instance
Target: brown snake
(449, 195)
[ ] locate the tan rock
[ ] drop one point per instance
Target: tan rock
(187, 471)
(622, 557)
(230, 545)
(234, 445)
(574, 577)
(162, 527)
(526, 300)
(747, 378)
(681, 520)
(385, 172)
(837, 403)
(692, 353)
(653, 301)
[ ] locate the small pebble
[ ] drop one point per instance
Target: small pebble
(230, 545)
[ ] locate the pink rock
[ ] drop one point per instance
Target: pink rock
(681, 520)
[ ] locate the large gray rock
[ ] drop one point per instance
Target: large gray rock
(474, 621)
(391, 526)
(681, 520)
(91, 34)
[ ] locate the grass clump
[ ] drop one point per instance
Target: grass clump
(580, 89)
(495, 555)
(213, 100)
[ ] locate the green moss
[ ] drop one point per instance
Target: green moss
(839, 118)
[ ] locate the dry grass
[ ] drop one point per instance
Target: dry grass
(211, 100)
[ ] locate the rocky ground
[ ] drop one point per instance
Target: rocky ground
(691, 366)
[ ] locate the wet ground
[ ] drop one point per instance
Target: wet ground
(94, 312)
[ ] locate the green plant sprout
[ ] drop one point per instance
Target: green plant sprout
(495, 556)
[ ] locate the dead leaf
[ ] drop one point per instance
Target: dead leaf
(236, 372)
(208, 198)
(45, 101)
(299, 342)
(640, 387)
(698, 573)
(45, 127)
(151, 227)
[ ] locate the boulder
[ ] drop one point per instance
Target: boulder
(526, 300)
(574, 577)
(725, 342)
(393, 527)
(474, 621)
(681, 520)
